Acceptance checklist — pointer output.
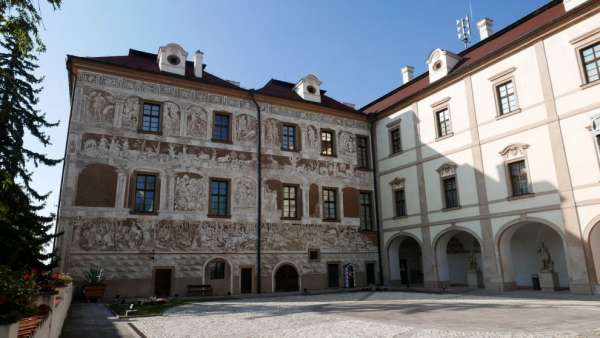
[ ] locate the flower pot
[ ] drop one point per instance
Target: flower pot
(93, 292)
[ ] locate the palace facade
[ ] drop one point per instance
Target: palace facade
(482, 171)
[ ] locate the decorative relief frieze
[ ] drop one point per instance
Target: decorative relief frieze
(272, 128)
(514, 151)
(197, 122)
(447, 169)
(190, 192)
(397, 183)
(312, 138)
(171, 119)
(245, 128)
(100, 106)
(100, 234)
(131, 113)
(347, 144)
(245, 193)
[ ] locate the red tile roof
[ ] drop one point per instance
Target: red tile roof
(285, 90)
(485, 48)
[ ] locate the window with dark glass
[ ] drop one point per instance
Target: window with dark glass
(450, 192)
(219, 197)
(216, 270)
(329, 203)
(327, 143)
(288, 134)
(366, 217)
(151, 118)
(444, 126)
(518, 178)
(314, 254)
(590, 57)
(145, 193)
(370, 273)
(395, 140)
(290, 201)
(507, 99)
(362, 152)
(221, 127)
(400, 202)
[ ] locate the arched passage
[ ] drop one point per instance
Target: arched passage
(217, 274)
(287, 279)
(458, 255)
(524, 246)
(405, 261)
(594, 249)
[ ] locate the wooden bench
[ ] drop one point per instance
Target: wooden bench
(199, 290)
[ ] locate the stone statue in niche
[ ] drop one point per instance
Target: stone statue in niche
(245, 128)
(312, 138)
(547, 262)
(197, 122)
(347, 143)
(100, 106)
(171, 118)
(131, 113)
(245, 192)
(272, 132)
(190, 193)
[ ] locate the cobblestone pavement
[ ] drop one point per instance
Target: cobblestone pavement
(384, 314)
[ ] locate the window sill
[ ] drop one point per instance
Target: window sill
(143, 213)
(395, 154)
(157, 133)
(451, 209)
(290, 218)
(400, 217)
(441, 138)
(290, 150)
(218, 216)
(519, 197)
(365, 231)
(514, 112)
(589, 84)
(214, 140)
(362, 169)
(332, 156)
(330, 220)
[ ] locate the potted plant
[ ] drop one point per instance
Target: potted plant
(94, 283)
(18, 292)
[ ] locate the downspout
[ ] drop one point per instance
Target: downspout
(259, 190)
(376, 193)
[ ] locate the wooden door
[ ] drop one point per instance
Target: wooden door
(162, 282)
(246, 280)
(333, 275)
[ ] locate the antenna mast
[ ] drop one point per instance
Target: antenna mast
(463, 28)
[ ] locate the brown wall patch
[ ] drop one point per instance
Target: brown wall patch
(350, 196)
(313, 201)
(97, 186)
(275, 185)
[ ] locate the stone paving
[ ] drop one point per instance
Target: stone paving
(92, 320)
(384, 314)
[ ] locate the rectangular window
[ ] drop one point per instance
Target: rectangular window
(366, 217)
(450, 192)
(288, 134)
(362, 152)
(290, 201)
(327, 143)
(370, 273)
(151, 118)
(329, 204)
(216, 270)
(314, 254)
(507, 99)
(444, 126)
(518, 178)
(395, 140)
(219, 197)
(590, 57)
(400, 202)
(145, 193)
(221, 127)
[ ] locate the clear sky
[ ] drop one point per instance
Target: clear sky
(356, 48)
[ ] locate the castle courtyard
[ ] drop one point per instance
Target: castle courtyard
(384, 314)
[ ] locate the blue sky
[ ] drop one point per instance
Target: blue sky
(356, 48)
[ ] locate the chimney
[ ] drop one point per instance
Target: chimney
(485, 26)
(407, 74)
(198, 63)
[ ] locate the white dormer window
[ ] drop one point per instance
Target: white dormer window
(440, 63)
(309, 88)
(171, 58)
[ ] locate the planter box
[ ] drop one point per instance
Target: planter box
(93, 292)
(475, 279)
(549, 281)
(9, 331)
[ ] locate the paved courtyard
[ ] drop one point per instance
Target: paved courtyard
(384, 314)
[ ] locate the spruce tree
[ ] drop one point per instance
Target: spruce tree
(23, 231)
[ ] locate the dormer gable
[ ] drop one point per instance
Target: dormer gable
(440, 63)
(172, 58)
(309, 88)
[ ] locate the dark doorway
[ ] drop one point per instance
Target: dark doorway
(246, 280)
(162, 282)
(286, 279)
(404, 272)
(411, 262)
(370, 273)
(348, 276)
(333, 275)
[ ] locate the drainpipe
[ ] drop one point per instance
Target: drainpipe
(376, 193)
(259, 190)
